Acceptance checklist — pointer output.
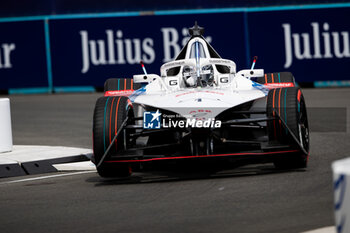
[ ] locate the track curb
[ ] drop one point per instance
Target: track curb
(29, 160)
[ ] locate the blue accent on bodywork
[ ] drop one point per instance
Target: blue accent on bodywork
(260, 87)
(136, 93)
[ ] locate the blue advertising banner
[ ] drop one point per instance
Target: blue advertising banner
(89, 51)
(22, 55)
(313, 44)
(62, 52)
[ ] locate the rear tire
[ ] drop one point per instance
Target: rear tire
(289, 104)
(109, 114)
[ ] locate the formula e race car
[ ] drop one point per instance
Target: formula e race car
(200, 110)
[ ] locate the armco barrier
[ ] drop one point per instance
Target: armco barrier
(5, 126)
(78, 52)
(341, 177)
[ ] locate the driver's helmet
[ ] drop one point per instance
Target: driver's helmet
(206, 76)
(189, 76)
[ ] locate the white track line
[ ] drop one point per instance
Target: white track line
(47, 177)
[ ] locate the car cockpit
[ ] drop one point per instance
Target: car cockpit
(198, 64)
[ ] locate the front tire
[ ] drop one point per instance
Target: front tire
(109, 114)
(289, 105)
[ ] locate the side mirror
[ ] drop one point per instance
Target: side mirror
(251, 73)
(143, 78)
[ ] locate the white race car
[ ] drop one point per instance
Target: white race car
(200, 110)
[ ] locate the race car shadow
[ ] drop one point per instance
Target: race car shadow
(184, 174)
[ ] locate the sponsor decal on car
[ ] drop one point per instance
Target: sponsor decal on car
(192, 123)
(119, 93)
(155, 120)
(277, 85)
(206, 91)
(151, 120)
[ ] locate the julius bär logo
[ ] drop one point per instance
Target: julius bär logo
(151, 120)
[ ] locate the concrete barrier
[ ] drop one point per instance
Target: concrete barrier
(5, 126)
(341, 178)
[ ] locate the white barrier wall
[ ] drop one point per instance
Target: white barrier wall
(5, 126)
(341, 178)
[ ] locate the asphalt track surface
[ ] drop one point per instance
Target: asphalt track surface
(254, 198)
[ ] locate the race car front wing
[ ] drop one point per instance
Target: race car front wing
(268, 150)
